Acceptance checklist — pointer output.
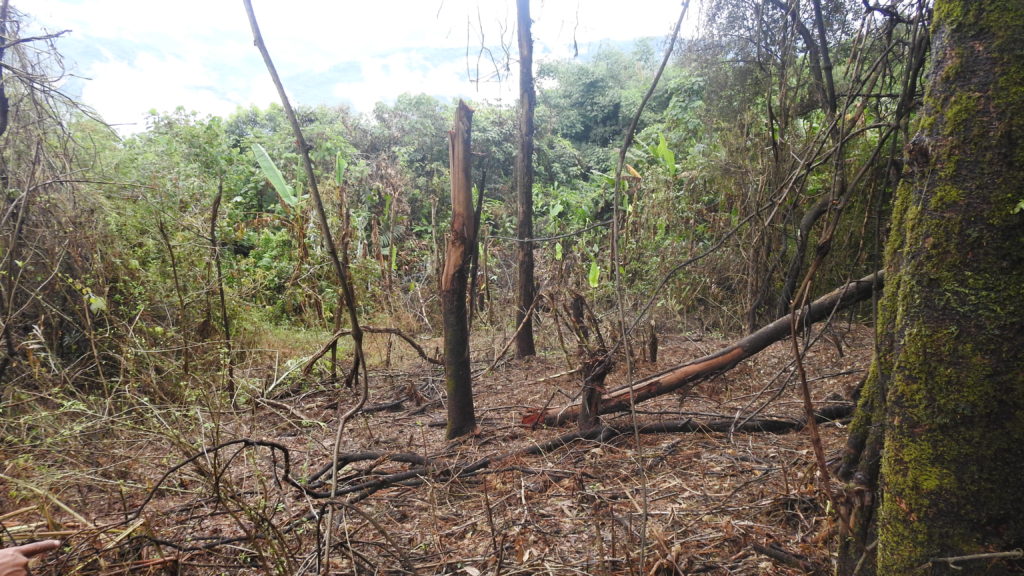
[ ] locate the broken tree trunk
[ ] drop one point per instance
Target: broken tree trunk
(459, 382)
(622, 399)
(595, 368)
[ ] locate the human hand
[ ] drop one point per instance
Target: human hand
(14, 560)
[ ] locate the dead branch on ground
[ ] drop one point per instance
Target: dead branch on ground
(369, 330)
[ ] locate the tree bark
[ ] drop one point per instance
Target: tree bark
(622, 399)
(524, 185)
(938, 442)
(454, 278)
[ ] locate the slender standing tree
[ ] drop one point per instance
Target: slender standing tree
(10, 350)
(524, 185)
(5, 105)
(936, 453)
(339, 262)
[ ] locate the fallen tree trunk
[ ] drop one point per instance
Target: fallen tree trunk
(621, 399)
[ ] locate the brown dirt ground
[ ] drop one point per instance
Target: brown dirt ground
(684, 503)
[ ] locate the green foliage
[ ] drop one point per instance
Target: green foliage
(590, 103)
(703, 162)
(284, 191)
(594, 275)
(340, 165)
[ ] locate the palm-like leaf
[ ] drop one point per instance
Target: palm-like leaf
(271, 172)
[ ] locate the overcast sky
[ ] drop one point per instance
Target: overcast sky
(138, 55)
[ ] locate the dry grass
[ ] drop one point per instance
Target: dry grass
(130, 488)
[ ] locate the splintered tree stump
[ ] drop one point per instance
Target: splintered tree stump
(454, 279)
(595, 369)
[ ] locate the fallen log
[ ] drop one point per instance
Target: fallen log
(776, 552)
(691, 373)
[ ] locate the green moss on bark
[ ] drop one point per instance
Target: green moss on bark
(950, 369)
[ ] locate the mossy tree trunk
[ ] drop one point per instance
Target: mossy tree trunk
(935, 459)
(454, 278)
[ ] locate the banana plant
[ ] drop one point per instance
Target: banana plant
(290, 203)
(289, 199)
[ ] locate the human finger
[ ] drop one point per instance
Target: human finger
(36, 548)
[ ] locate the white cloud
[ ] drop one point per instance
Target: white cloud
(129, 89)
(199, 53)
(384, 78)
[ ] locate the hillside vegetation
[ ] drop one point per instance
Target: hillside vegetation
(175, 360)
